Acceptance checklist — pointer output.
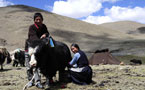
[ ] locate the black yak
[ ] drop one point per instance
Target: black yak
(18, 57)
(135, 61)
(4, 54)
(49, 59)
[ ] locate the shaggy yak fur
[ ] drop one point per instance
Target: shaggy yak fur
(135, 61)
(4, 55)
(50, 59)
(19, 58)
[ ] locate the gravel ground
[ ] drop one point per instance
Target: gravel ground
(105, 77)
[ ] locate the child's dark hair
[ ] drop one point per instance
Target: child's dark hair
(38, 15)
(75, 45)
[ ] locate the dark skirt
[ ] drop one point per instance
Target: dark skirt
(83, 78)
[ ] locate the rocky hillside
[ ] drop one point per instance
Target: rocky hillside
(15, 21)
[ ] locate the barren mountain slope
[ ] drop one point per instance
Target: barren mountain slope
(124, 26)
(16, 20)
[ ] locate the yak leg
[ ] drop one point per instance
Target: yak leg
(14, 63)
(17, 63)
(2, 67)
(21, 61)
(23, 64)
(62, 75)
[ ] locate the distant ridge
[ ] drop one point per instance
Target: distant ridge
(124, 26)
(26, 8)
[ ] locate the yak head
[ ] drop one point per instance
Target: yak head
(36, 49)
